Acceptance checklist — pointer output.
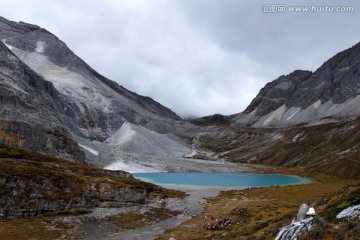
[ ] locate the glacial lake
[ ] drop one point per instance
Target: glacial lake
(223, 180)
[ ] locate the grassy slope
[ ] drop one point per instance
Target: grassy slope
(330, 148)
(263, 211)
(62, 174)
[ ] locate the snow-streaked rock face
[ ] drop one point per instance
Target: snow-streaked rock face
(276, 93)
(30, 108)
(104, 105)
(332, 91)
(90, 150)
(65, 81)
(275, 116)
(314, 114)
(109, 122)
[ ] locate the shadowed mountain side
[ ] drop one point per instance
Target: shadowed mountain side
(31, 109)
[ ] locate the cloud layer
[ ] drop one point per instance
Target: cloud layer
(197, 57)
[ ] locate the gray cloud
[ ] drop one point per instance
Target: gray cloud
(198, 57)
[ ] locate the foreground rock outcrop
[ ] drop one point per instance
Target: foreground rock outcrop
(351, 212)
(304, 222)
(339, 218)
(32, 184)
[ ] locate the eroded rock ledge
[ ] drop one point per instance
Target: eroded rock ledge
(32, 184)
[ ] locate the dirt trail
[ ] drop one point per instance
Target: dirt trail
(190, 206)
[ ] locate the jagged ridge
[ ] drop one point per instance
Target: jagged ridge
(303, 97)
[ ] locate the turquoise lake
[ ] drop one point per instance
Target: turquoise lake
(226, 180)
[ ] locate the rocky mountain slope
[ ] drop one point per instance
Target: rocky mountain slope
(31, 109)
(51, 58)
(87, 107)
(330, 93)
(303, 120)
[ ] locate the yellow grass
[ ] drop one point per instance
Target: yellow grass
(257, 212)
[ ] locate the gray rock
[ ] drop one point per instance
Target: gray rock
(302, 212)
(302, 224)
(32, 111)
(293, 231)
(351, 212)
(40, 113)
(334, 83)
(277, 93)
(30, 198)
(26, 37)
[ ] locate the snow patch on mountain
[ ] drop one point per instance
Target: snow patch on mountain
(317, 104)
(40, 46)
(244, 119)
(317, 112)
(131, 167)
(283, 85)
(291, 113)
(90, 150)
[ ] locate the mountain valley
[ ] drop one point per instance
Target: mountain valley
(70, 139)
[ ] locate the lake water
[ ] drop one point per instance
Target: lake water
(226, 180)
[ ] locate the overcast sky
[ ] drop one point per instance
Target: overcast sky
(197, 57)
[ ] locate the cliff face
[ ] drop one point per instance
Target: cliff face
(103, 104)
(34, 39)
(31, 110)
(45, 87)
(32, 184)
(36, 138)
(25, 197)
(332, 91)
(277, 93)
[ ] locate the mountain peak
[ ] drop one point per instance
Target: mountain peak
(51, 58)
(303, 96)
(276, 93)
(52, 99)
